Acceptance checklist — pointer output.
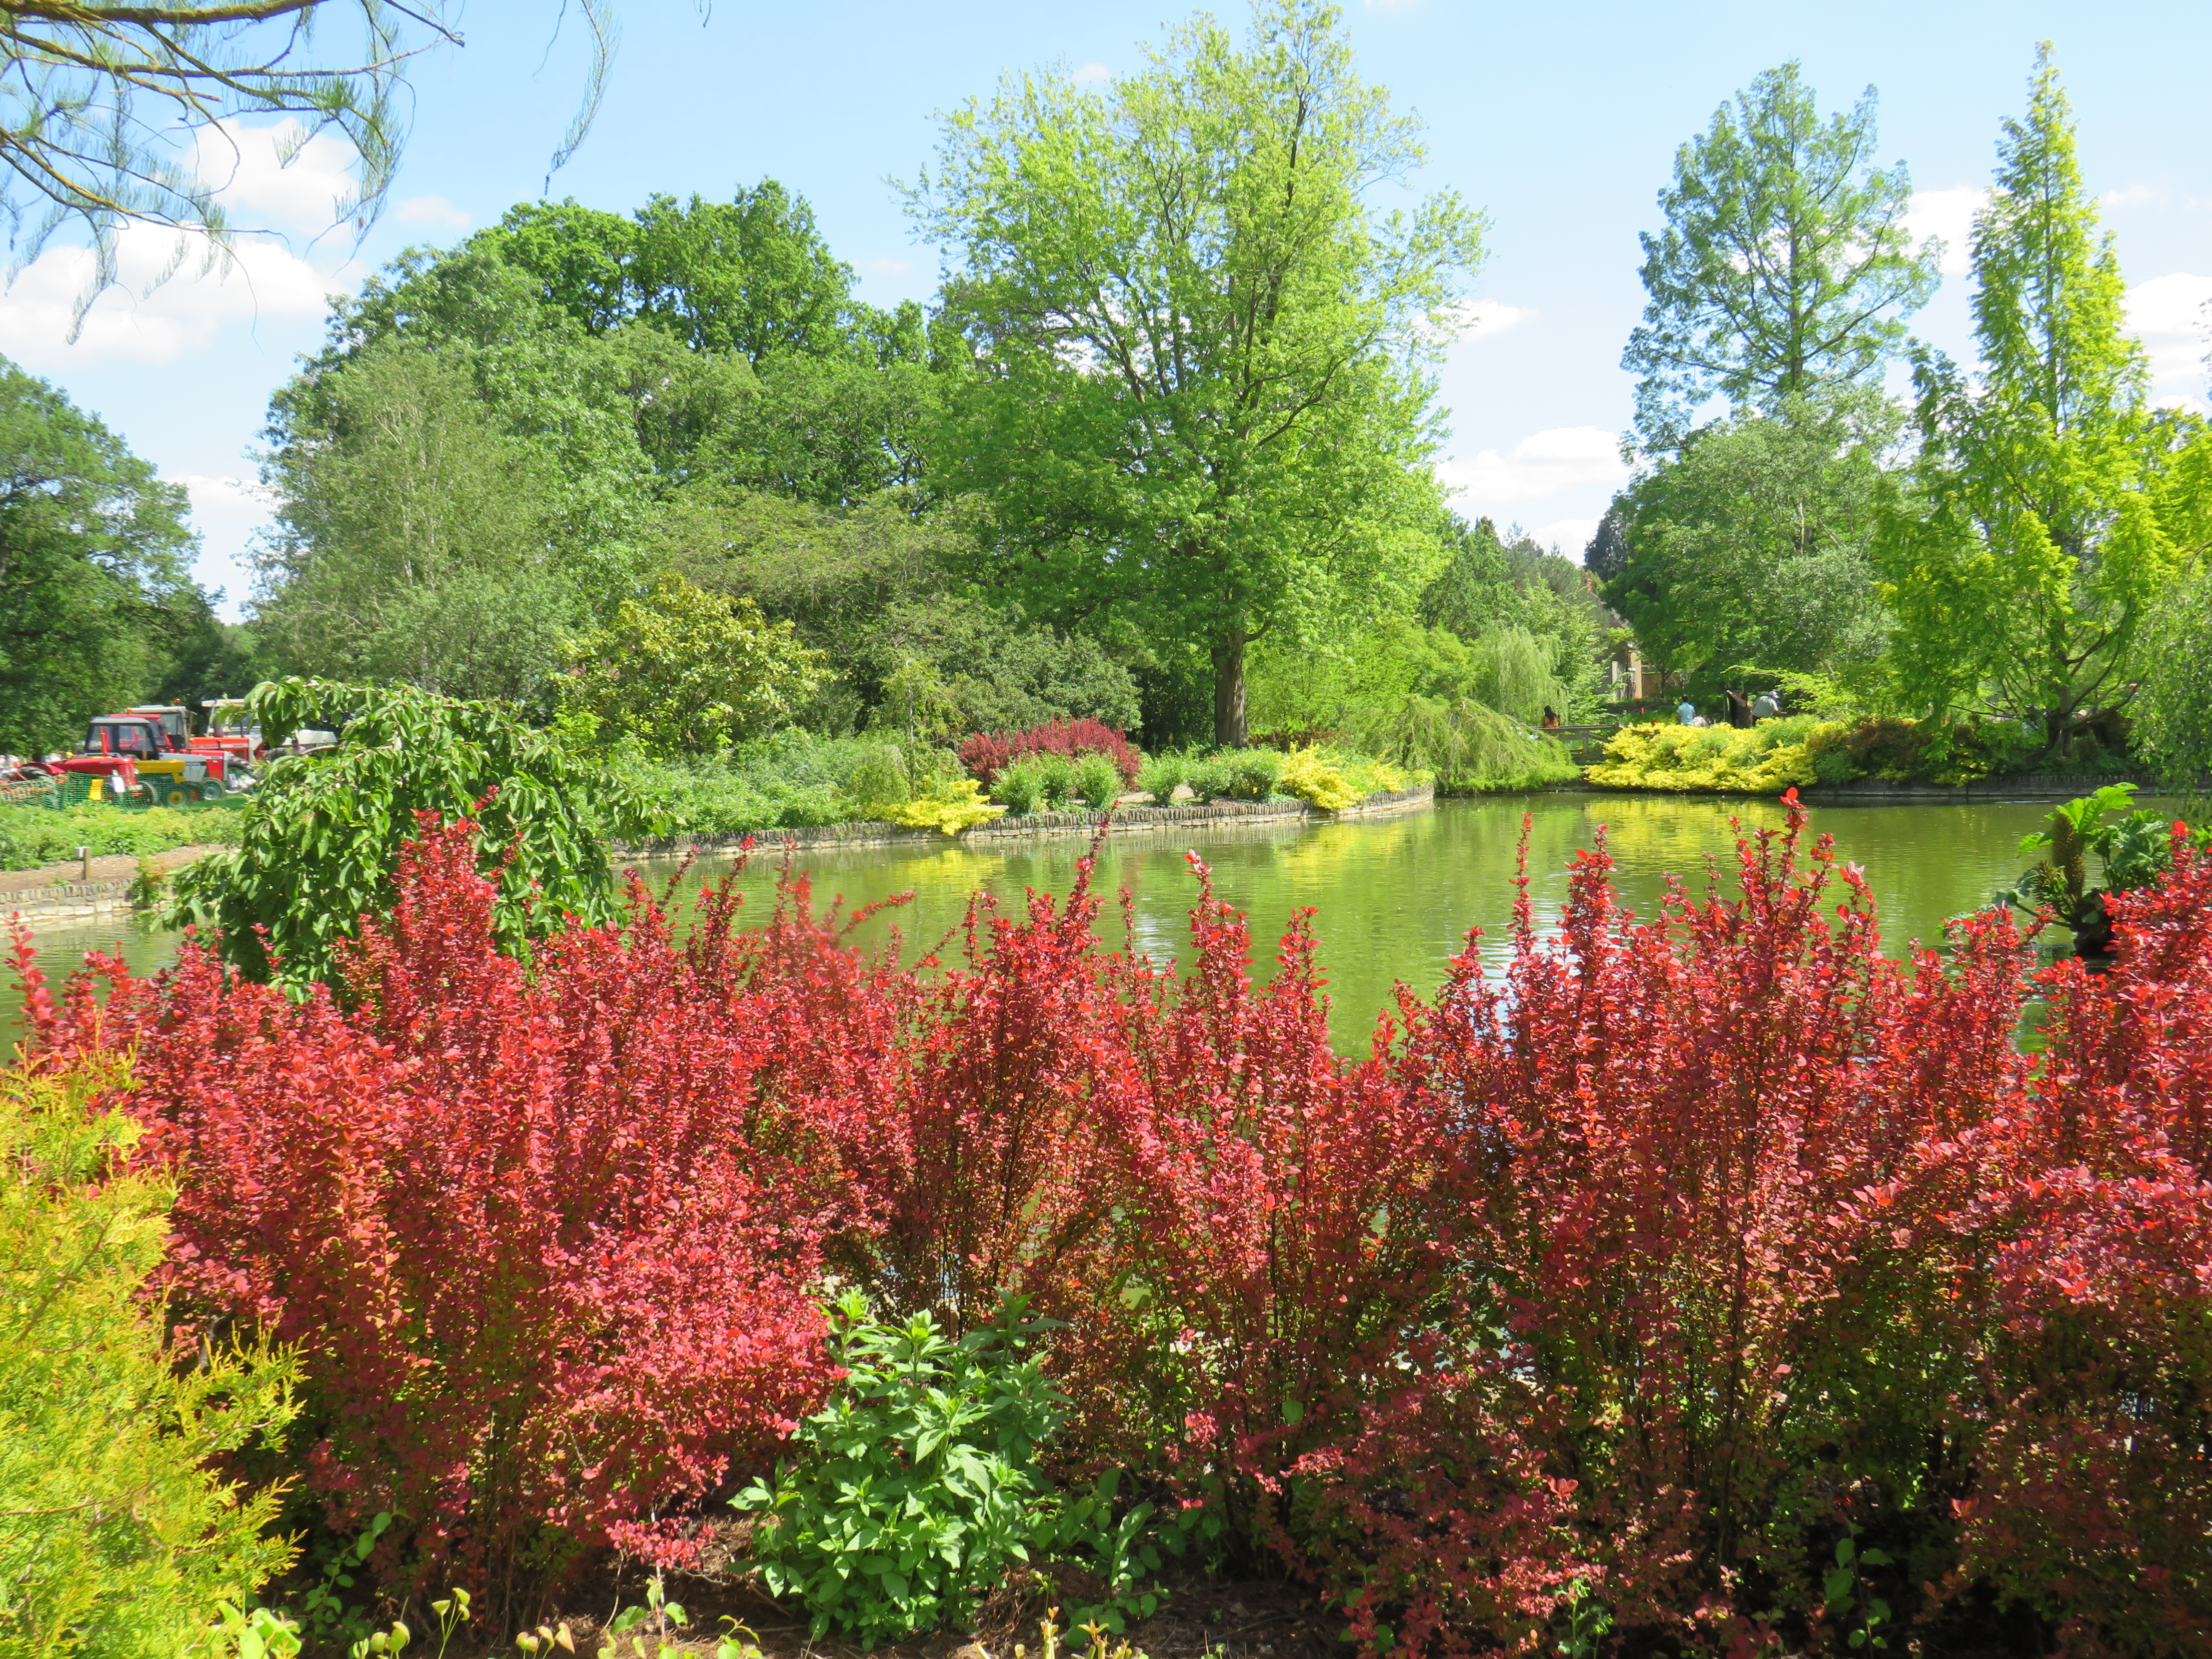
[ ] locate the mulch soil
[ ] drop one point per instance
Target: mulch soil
(1202, 1618)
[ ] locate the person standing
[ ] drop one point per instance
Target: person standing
(1686, 712)
(1765, 706)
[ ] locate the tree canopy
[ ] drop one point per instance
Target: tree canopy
(1785, 268)
(94, 568)
(1197, 398)
(2021, 565)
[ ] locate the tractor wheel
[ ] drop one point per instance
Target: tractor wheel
(175, 795)
(211, 789)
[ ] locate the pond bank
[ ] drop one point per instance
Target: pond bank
(1880, 792)
(58, 894)
(1046, 826)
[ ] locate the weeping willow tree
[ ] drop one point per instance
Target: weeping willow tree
(1469, 746)
(1515, 672)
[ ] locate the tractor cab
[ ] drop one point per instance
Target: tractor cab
(175, 723)
(232, 730)
(130, 750)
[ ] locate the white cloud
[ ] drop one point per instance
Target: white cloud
(2169, 313)
(1544, 463)
(278, 171)
(431, 210)
(226, 512)
(1474, 320)
(1565, 536)
(1948, 213)
(2137, 195)
(144, 319)
(1091, 73)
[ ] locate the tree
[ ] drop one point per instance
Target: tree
(1785, 268)
(1608, 551)
(2021, 567)
(93, 562)
(92, 96)
(413, 542)
(1199, 402)
(1748, 550)
(684, 671)
(326, 833)
(752, 275)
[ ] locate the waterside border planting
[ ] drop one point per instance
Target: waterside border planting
(1037, 826)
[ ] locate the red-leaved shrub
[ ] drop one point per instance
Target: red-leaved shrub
(539, 1287)
(989, 753)
(1710, 1277)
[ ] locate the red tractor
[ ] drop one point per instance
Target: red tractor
(130, 750)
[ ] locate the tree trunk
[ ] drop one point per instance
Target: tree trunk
(1229, 689)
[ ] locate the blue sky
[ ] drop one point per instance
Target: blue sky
(1561, 122)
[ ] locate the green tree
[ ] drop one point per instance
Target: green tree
(1749, 550)
(94, 561)
(323, 833)
(752, 275)
(1785, 268)
(684, 671)
(116, 1541)
(413, 542)
(2020, 566)
(1200, 403)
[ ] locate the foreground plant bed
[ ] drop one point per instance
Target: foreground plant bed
(1694, 1263)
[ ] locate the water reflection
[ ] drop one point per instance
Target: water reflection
(1393, 900)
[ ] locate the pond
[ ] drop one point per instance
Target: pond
(1394, 898)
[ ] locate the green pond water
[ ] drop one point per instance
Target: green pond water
(1394, 898)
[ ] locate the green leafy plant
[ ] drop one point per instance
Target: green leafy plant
(1097, 780)
(2135, 848)
(1036, 782)
(686, 672)
(646, 1632)
(1858, 1611)
(323, 835)
(259, 1633)
(1161, 774)
(115, 1539)
(327, 1612)
(917, 1486)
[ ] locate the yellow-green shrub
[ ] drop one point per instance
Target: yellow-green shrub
(1762, 760)
(951, 804)
(1333, 780)
(115, 1540)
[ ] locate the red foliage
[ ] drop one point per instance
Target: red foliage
(989, 753)
(535, 1280)
(1634, 1280)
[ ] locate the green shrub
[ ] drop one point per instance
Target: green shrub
(1097, 780)
(322, 834)
(114, 1539)
(1161, 774)
(917, 1486)
(1038, 782)
(1235, 774)
(1468, 747)
(879, 782)
(31, 836)
(1765, 759)
(1017, 789)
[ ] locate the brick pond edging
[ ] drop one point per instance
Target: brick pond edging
(1880, 792)
(65, 901)
(1037, 826)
